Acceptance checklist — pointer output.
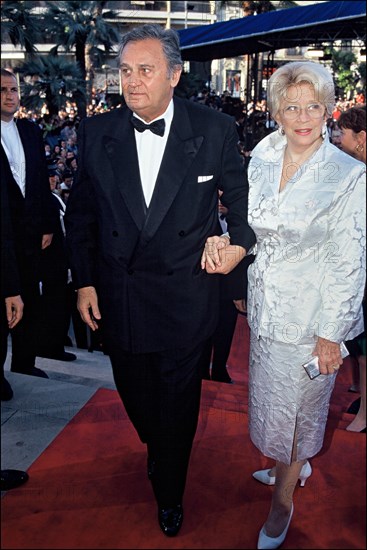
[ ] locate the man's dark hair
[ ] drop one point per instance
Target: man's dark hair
(168, 37)
(354, 119)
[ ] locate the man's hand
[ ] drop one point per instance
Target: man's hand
(88, 306)
(219, 256)
(14, 310)
(329, 355)
(210, 256)
(46, 240)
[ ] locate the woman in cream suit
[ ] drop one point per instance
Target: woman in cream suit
(307, 208)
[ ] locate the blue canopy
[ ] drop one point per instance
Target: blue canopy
(286, 28)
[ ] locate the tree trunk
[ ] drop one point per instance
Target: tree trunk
(51, 104)
(80, 49)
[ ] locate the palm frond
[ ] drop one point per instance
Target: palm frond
(20, 25)
(51, 80)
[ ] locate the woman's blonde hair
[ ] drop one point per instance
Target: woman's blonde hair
(298, 72)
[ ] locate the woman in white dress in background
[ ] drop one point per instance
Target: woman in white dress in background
(307, 208)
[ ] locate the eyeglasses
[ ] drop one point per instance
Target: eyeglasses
(314, 110)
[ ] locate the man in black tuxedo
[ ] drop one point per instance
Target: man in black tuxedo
(10, 315)
(24, 173)
(138, 216)
(12, 303)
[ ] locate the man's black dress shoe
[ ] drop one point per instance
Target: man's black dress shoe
(170, 519)
(34, 371)
(12, 478)
(64, 356)
(6, 390)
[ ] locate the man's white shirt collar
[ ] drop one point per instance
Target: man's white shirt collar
(167, 116)
(150, 148)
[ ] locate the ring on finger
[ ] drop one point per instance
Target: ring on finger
(336, 367)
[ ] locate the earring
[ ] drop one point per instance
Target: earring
(324, 131)
(359, 148)
(281, 130)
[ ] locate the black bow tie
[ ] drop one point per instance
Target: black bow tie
(156, 127)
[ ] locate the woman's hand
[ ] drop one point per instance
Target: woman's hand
(240, 305)
(329, 355)
(211, 257)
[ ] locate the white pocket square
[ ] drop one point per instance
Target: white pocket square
(201, 179)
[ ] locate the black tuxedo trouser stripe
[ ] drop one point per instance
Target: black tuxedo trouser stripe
(161, 394)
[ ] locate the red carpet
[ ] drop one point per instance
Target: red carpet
(89, 488)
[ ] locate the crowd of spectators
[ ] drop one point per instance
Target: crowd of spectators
(252, 120)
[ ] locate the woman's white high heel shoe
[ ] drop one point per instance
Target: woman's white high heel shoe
(264, 477)
(305, 473)
(268, 543)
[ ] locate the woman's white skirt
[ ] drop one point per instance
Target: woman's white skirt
(283, 402)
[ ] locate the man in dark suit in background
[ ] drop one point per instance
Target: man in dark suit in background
(138, 216)
(55, 310)
(10, 315)
(12, 303)
(24, 172)
(233, 298)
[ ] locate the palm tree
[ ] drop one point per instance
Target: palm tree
(189, 84)
(362, 73)
(83, 25)
(250, 8)
(20, 25)
(261, 6)
(342, 60)
(52, 81)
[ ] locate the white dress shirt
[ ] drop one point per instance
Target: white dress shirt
(150, 149)
(13, 148)
(223, 224)
(61, 211)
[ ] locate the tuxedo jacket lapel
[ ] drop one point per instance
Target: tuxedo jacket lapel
(7, 173)
(29, 152)
(120, 148)
(181, 149)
